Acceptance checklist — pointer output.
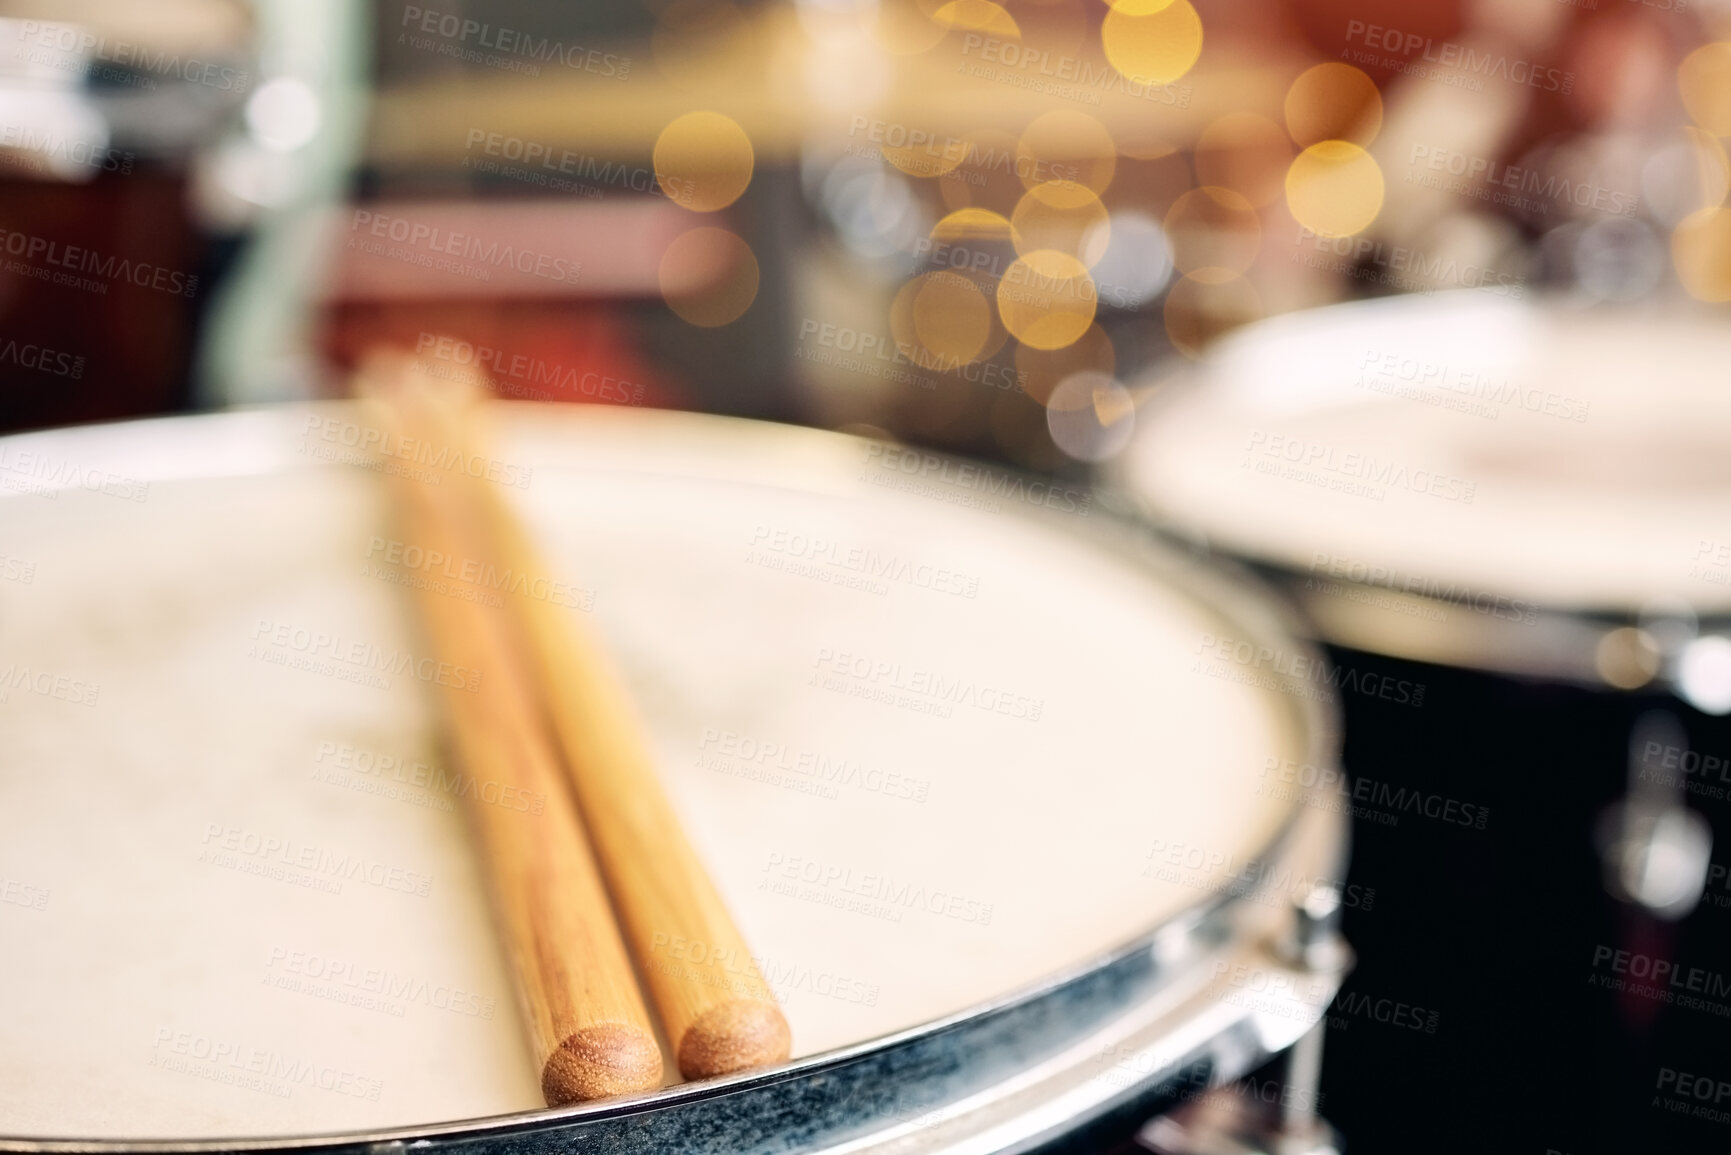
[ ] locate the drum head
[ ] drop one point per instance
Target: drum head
(1499, 454)
(935, 742)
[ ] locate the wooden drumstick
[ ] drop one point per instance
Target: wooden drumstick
(588, 1023)
(718, 1013)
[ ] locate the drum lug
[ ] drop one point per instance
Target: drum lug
(1231, 1121)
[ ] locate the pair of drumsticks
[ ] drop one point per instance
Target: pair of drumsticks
(548, 709)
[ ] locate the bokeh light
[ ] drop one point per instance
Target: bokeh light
(1704, 79)
(1062, 216)
(703, 161)
(1213, 228)
(1067, 145)
(944, 313)
(721, 300)
(1246, 153)
(978, 16)
(1701, 252)
(1040, 370)
(1152, 47)
(1333, 102)
(1090, 416)
(1047, 299)
(1334, 188)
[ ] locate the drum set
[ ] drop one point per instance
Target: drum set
(1031, 802)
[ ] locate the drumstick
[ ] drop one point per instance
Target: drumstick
(588, 1024)
(718, 1013)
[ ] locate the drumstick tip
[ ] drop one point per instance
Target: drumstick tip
(599, 1061)
(738, 1035)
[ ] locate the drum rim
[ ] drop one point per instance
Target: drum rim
(1221, 587)
(1555, 643)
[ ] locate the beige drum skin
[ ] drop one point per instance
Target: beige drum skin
(936, 741)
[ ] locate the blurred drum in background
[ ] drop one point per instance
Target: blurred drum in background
(1509, 522)
(1017, 855)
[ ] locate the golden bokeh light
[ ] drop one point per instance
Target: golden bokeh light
(703, 161)
(1138, 7)
(1333, 102)
(1701, 251)
(1047, 299)
(1154, 47)
(716, 300)
(944, 314)
(978, 16)
(977, 226)
(1213, 228)
(1334, 188)
(1062, 216)
(1067, 145)
(904, 27)
(1040, 370)
(1246, 153)
(1199, 312)
(1704, 79)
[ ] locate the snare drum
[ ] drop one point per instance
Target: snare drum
(1014, 850)
(1511, 523)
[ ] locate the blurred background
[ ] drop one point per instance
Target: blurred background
(990, 228)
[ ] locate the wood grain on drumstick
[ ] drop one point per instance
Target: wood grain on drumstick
(588, 1023)
(718, 1013)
